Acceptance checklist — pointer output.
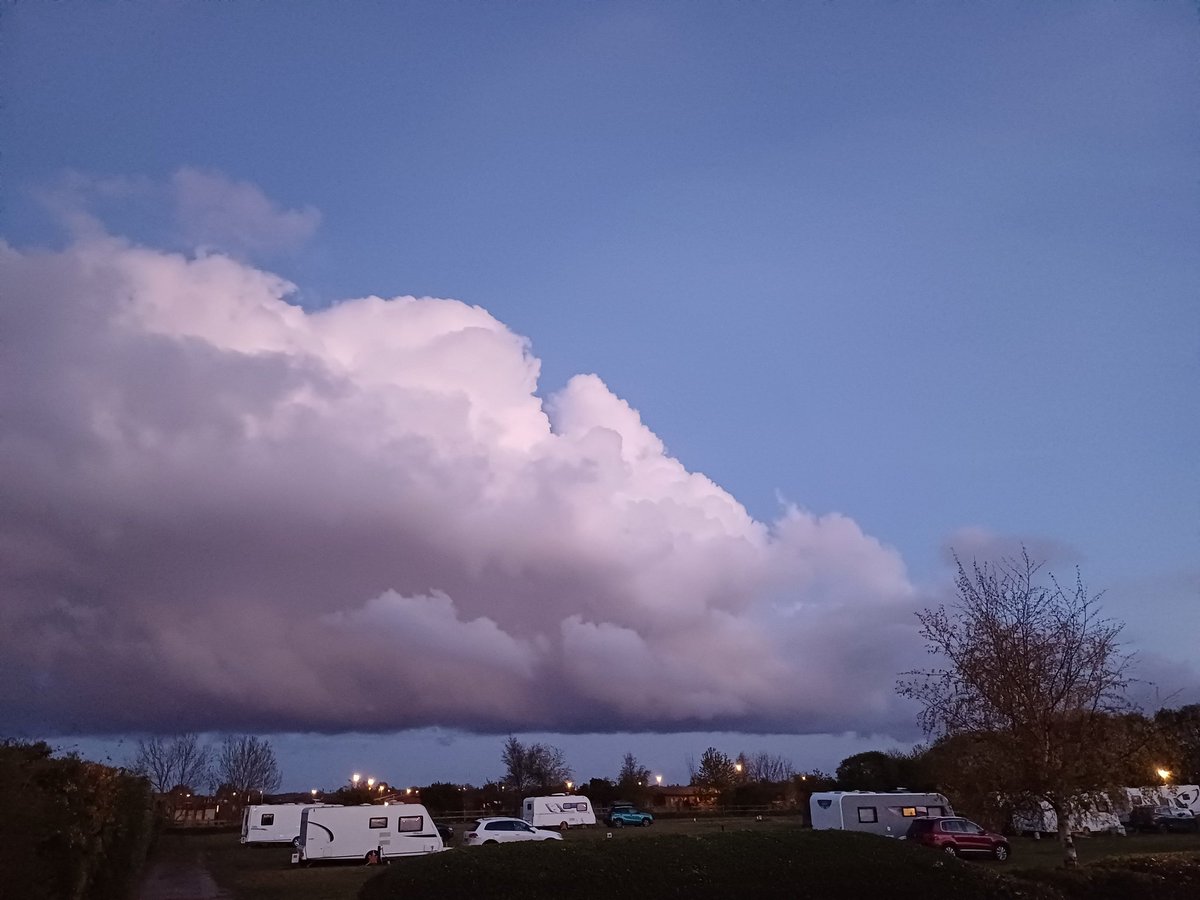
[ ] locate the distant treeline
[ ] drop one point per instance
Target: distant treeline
(69, 829)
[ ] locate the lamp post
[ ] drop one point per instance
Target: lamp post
(1165, 775)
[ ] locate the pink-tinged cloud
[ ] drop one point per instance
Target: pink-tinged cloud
(224, 511)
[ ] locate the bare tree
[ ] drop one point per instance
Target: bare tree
(247, 764)
(170, 762)
(1035, 679)
(769, 768)
(536, 767)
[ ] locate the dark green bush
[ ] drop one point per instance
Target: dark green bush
(1174, 876)
(69, 828)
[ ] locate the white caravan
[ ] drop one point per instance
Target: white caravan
(888, 813)
(1097, 817)
(558, 811)
(1183, 799)
(273, 823)
(370, 832)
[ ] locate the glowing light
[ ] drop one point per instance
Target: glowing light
(355, 778)
(1164, 774)
(658, 778)
(370, 782)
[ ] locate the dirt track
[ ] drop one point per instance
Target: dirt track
(174, 877)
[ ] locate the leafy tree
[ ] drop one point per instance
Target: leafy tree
(247, 764)
(536, 768)
(877, 770)
(872, 770)
(442, 797)
(171, 762)
(1182, 728)
(716, 770)
(633, 773)
(634, 779)
(600, 791)
(1032, 678)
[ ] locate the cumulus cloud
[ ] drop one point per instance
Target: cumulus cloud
(193, 208)
(224, 511)
(214, 210)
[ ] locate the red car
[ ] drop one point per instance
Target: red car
(954, 835)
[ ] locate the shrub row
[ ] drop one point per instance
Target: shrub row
(69, 828)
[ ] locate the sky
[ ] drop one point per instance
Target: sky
(390, 378)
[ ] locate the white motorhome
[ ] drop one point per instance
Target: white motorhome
(887, 813)
(558, 811)
(370, 832)
(1096, 816)
(273, 823)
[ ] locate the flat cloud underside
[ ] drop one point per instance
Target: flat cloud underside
(223, 511)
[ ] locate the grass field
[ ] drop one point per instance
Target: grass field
(673, 858)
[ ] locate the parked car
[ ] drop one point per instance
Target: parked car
(446, 831)
(621, 815)
(1162, 818)
(503, 830)
(954, 835)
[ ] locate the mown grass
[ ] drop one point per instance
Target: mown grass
(712, 858)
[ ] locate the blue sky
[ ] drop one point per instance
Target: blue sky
(930, 267)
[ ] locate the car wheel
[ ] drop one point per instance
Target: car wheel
(1001, 852)
(950, 850)
(645, 823)
(619, 823)
(489, 842)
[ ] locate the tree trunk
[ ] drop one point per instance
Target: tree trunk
(1070, 857)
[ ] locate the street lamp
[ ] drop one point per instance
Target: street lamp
(355, 778)
(370, 782)
(313, 792)
(1165, 775)
(570, 784)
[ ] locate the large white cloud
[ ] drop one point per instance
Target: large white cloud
(222, 510)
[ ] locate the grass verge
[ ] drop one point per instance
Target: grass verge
(780, 863)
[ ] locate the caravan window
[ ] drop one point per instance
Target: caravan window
(377, 822)
(937, 811)
(909, 812)
(267, 819)
(411, 823)
(867, 814)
